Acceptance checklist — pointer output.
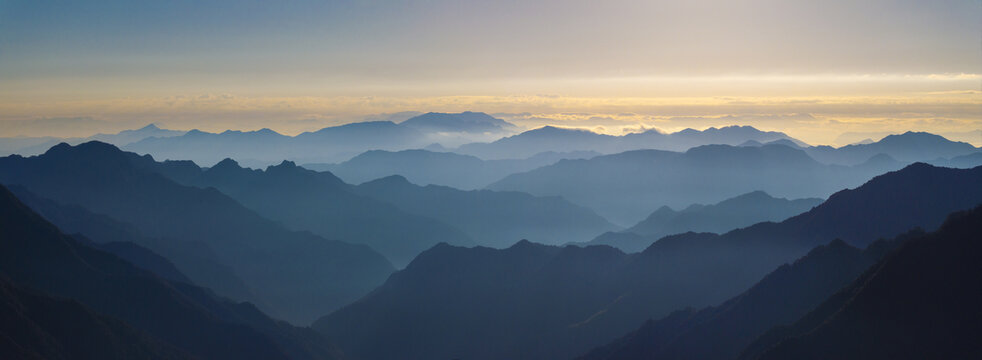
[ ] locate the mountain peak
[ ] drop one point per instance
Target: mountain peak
(87, 148)
(525, 246)
(550, 129)
(521, 243)
(391, 180)
(282, 166)
(227, 163)
(665, 208)
(785, 142)
(226, 168)
(753, 195)
(468, 121)
(880, 159)
(915, 137)
(61, 147)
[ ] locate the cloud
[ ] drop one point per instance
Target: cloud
(814, 119)
(393, 117)
(55, 126)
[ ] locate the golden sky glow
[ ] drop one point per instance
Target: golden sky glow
(815, 70)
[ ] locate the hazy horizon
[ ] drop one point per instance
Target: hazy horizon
(85, 127)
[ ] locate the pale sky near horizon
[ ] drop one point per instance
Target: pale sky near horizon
(813, 69)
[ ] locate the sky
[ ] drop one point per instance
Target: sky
(825, 72)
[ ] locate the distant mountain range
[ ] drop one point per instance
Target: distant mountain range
(491, 218)
(907, 147)
(743, 210)
(556, 139)
(119, 311)
(27, 146)
(536, 301)
(266, 147)
(327, 145)
(465, 122)
(255, 147)
(963, 161)
(729, 214)
(439, 168)
(295, 276)
(626, 187)
(467, 133)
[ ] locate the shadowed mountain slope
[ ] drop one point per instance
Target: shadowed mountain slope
(37, 326)
(321, 203)
(438, 168)
(294, 275)
(743, 210)
(537, 301)
(963, 161)
(104, 233)
(626, 187)
(729, 214)
(491, 218)
(781, 297)
(920, 302)
(35, 253)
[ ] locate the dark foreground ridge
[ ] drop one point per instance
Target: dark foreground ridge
(36, 254)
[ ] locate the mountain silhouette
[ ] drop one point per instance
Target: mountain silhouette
(35, 254)
(37, 145)
(121, 239)
(491, 218)
(471, 122)
(328, 145)
(919, 302)
(537, 301)
(963, 161)
(550, 138)
(321, 203)
(650, 179)
(729, 214)
(346, 141)
(781, 297)
(209, 148)
(907, 147)
(113, 237)
(295, 276)
(438, 168)
(38, 326)
(140, 257)
(521, 296)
